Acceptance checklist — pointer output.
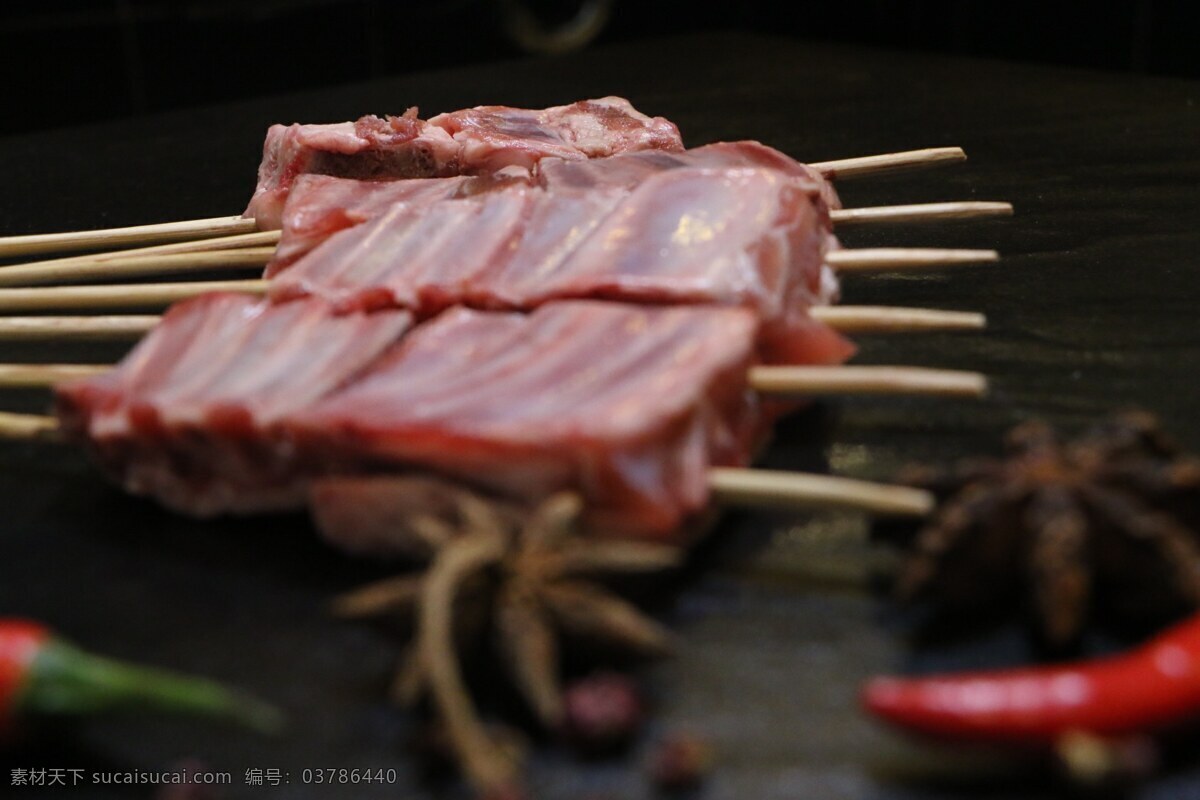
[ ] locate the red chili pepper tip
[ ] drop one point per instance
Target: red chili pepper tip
(1149, 689)
(20, 642)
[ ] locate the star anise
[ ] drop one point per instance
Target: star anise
(530, 572)
(1103, 526)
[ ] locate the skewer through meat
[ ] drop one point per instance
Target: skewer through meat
(237, 405)
(319, 205)
(485, 140)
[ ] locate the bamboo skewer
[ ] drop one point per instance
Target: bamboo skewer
(879, 259)
(921, 212)
(889, 162)
(769, 380)
(138, 266)
(76, 328)
(110, 238)
(40, 376)
(187, 230)
(170, 259)
(729, 485)
(798, 490)
(29, 427)
(846, 319)
(743, 486)
(156, 295)
(888, 319)
(142, 296)
(867, 380)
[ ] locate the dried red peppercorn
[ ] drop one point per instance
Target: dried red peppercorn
(680, 762)
(602, 713)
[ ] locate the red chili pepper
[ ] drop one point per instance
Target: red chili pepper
(42, 675)
(20, 642)
(1147, 690)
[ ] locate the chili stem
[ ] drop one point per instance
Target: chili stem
(66, 681)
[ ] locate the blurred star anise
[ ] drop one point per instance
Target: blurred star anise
(1104, 526)
(525, 576)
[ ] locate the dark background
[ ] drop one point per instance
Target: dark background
(70, 61)
(1092, 308)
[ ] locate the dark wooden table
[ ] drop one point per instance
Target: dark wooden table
(1092, 308)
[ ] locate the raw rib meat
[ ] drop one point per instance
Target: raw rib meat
(629, 405)
(745, 237)
(473, 141)
(319, 205)
(186, 417)
(237, 406)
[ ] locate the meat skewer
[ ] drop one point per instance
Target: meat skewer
(785, 305)
(809, 381)
(319, 205)
(768, 254)
(112, 238)
(253, 258)
(192, 415)
(580, 195)
(842, 318)
(142, 262)
(585, 232)
(479, 140)
(159, 295)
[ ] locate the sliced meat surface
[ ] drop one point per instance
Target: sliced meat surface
(419, 258)
(320, 206)
(629, 405)
(188, 415)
